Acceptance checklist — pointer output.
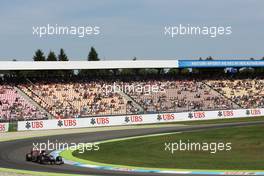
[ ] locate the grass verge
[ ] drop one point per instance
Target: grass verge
(246, 153)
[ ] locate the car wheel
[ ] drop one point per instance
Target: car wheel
(28, 157)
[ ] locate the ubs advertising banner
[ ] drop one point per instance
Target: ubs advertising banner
(4, 127)
(136, 119)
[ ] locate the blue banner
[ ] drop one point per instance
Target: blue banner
(220, 63)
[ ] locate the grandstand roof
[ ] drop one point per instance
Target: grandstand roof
(114, 64)
(75, 65)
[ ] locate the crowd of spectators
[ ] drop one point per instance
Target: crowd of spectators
(248, 93)
(15, 107)
(180, 95)
(72, 100)
(84, 98)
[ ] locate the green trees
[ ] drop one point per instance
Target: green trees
(39, 56)
(52, 56)
(62, 56)
(93, 56)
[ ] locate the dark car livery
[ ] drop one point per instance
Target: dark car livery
(42, 157)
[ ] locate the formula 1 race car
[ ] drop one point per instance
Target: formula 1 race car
(42, 157)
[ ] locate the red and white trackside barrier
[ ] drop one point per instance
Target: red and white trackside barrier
(4, 127)
(137, 119)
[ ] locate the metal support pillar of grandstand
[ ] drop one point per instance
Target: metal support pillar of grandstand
(23, 94)
(239, 106)
(141, 109)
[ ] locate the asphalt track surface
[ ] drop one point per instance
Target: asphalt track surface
(12, 153)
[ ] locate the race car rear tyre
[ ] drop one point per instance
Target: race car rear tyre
(28, 157)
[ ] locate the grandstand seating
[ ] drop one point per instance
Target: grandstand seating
(90, 98)
(68, 100)
(248, 93)
(182, 95)
(14, 107)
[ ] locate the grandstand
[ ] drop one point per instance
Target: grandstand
(246, 92)
(14, 107)
(83, 97)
